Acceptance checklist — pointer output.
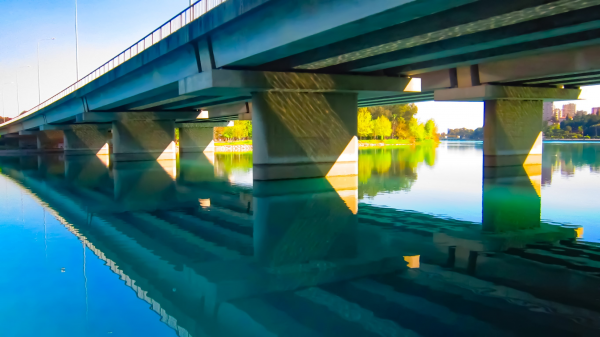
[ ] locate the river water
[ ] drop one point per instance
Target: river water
(425, 242)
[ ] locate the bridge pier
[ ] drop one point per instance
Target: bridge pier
(304, 135)
(197, 137)
(50, 140)
(139, 140)
(513, 120)
(86, 139)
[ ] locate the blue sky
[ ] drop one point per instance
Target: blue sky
(106, 28)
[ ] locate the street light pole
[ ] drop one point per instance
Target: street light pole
(4, 102)
(76, 46)
(18, 106)
(38, 68)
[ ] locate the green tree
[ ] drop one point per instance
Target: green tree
(431, 129)
(365, 123)
(382, 127)
(416, 129)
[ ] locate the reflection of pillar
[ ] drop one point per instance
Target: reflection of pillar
(139, 140)
(511, 198)
(196, 167)
(512, 132)
(51, 165)
(89, 171)
(145, 184)
(86, 139)
(196, 139)
(304, 135)
(299, 221)
(50, 140)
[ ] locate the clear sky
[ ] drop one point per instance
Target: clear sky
(108, 27)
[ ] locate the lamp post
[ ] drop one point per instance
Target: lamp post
(38, 68)
(18, 106)
(3, 102)
(76, 46)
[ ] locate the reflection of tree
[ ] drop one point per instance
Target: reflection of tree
(568, 157)
(392, 169)
(227, 163)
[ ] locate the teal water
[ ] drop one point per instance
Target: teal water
(424, 242)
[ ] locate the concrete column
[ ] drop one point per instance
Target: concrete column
(304, 135)
(196, 139)
(512, 132)
(28, 142)
(50, 140)
(86, 139)
(139, 140)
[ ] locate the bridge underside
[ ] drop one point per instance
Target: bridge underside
(377, 52)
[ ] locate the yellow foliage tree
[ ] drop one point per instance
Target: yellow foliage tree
(382, 127)
(365, 124)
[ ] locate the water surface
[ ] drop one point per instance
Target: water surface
(424, 242)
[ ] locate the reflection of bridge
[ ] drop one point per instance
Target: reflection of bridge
(299, 70)
(302, 260)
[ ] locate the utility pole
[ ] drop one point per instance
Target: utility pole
(18, 106)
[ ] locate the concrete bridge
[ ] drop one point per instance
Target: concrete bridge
(300, 69)
(287, 266)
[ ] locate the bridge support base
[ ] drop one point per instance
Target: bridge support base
(50, 140)
(512, 133)
(198, 139)
(28, 142)
(86, 140)
(304, 135)
(140, 140)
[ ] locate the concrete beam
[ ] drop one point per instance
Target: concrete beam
(494, 92)
(229, 109)
(537, 66)
(47, 127)
(240, 82)
(105, 117)
(203, 125)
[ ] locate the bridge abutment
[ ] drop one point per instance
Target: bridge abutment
(304, 135)
(140, 140)
(50, 140)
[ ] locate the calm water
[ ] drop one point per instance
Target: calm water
(424, 242)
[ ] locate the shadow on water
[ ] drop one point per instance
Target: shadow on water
(302, 258)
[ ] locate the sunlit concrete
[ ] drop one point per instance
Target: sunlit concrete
(304, 135)
(140, 140)
(87, 139)
(512, 133)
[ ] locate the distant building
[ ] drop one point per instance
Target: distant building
(596, 111)
(569, 110)
(581, 113)
(548, 110)
(558, 114)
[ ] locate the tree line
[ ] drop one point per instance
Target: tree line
(241, 130)
(464, 133)
(579, 127)
(396, 122)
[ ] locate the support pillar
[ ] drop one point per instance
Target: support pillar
(28, 142)
(140, 140)
(512, 133)
(304, 135)
(196, 139)
(50, 140)
(87, 139)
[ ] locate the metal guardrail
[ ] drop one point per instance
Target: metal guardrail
(180, 20)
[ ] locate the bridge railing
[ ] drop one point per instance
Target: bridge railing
(180, 20)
